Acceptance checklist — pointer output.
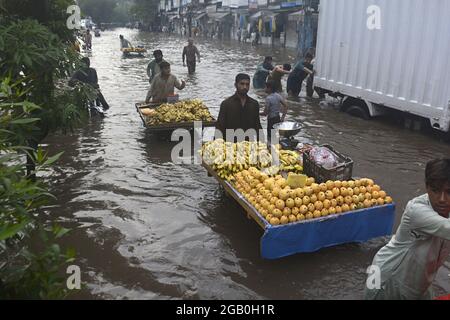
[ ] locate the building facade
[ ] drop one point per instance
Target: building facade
(278, 23)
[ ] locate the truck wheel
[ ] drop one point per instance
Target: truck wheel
(359, 112)
(447, 137)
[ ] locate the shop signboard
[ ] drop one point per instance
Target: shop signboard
(252, 5)
(262, 3)
(291, 4)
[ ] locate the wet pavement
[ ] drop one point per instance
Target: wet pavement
(145, 228)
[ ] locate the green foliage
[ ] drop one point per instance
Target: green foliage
(35, 274)
(35, 62)
(99, 10)
(27, 49)
(145, 10)
(50, 13)
(122, 12)
(57, 22)
(25, 273)
(67, 101)
(38, 63)
(16, 120)
(102, 11)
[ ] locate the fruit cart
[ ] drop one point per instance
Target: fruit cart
(170, 126)
(312, 235)
(138, 51)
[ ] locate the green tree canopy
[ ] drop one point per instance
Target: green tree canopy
(50, 13)
(35, 61)
(98, 10)
(145, 10)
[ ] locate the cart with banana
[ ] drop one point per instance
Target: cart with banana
(166, 117)
(298, 212)
(134, 51)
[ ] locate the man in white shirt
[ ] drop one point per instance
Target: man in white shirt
(124, 43)
(410, 261)
(163, 85)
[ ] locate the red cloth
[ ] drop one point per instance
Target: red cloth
(443, 298)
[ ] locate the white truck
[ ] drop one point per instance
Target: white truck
(378, 54)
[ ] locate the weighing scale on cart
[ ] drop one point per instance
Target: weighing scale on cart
(287, 131)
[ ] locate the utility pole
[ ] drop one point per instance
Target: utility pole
(190, 9)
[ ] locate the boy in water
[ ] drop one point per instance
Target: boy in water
(275, 104)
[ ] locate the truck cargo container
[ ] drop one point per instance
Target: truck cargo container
(379, 54)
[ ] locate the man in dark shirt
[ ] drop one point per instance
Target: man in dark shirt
(302, 69)
(239, 111)
(88, 40)
(88, 75)
(262, 72)
(190, 53)
(153, 67)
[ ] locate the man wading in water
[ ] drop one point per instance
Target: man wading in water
(190, 53)
(163, 85)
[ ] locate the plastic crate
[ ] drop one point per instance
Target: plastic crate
(342, 172)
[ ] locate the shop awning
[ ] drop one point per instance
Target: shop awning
(296, 15)
(218, 16)
(256, 16)
(269, 17)
(265, 15)
(200, 16)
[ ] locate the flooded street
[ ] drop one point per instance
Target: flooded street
(145, 228)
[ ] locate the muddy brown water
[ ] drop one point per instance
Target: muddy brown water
(145, 228)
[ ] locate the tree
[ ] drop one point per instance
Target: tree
(25, 273)
(37, 56)
(122, 11)
(35, 61)
(145, 10)
(99, 10)
(50, 13)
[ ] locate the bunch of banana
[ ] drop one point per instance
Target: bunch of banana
(290, 161)
(182, 111)
(229, 158)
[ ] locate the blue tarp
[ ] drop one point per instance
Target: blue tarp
(313, 235)
(309, 236)
(241, 22)
(305, 34)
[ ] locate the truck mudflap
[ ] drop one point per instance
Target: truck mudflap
(446, 121)
(442, 123)
(375, 110)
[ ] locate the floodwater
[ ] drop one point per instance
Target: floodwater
(145, 228)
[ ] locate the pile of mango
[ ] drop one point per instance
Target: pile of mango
(281, 202)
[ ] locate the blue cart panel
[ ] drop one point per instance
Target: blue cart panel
(312, 235)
